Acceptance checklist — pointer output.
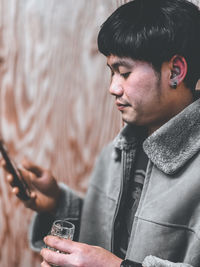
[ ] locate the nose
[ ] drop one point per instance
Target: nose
(116, 87)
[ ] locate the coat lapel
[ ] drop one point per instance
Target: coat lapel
(177, 141)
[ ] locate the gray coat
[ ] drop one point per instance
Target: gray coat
(167, 221)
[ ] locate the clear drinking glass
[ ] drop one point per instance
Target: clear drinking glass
(62, 228)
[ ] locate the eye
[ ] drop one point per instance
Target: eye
(125, 75)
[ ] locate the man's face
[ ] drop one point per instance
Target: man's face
(142, 95)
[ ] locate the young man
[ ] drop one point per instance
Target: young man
(143, 197)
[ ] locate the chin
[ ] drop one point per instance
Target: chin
(129, 121)
(130, 117)
(134, 121)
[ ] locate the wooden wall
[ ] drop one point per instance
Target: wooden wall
(54, 104)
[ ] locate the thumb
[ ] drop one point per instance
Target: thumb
(45, 183)
(32, 167)
(27, 176)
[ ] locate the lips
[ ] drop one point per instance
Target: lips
(122, 104)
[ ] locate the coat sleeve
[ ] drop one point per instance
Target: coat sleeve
(152, 261)
(69, 208)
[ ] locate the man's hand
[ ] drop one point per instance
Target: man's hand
(43, 186)
(76, 254)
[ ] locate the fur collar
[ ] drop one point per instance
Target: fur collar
(173, 144)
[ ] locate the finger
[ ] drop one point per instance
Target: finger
(54, 257)
(15, 190)
(26, 176)
(2, 162)
(62, 244)
(9, 178)
(4, 165)
(30, 203)
(32, 167)
(33, 195)
(40, 178)
(45, 264)
(45, 184)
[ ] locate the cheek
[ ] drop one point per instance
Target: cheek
(144, 97)
(141, 89)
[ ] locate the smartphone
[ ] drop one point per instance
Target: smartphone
(18, 181)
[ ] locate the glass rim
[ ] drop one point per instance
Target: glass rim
(60, 224)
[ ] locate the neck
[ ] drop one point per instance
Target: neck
(178, 107)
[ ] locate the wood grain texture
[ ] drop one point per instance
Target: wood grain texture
(54, 104)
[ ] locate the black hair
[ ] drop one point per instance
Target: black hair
(154, 31)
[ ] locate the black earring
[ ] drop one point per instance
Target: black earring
(174, 84)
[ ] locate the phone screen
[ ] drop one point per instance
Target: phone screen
(18, 181)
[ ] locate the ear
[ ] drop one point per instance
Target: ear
(178, 66)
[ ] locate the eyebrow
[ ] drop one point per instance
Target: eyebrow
(120, 63)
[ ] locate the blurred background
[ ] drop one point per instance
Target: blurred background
(55, 106)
